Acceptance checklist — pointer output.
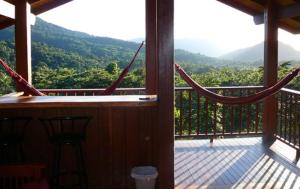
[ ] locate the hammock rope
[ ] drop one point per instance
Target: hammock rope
(233, 100)
(28, 89)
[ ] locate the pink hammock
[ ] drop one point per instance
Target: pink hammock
(21, 83)
(109, 90)
(237, 100)
(28, 89)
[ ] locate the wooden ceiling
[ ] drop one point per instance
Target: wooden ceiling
(40, 6)
(37, 7)
(288, 12)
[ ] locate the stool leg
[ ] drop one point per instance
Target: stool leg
(21, 151)
(56, 167)
(81, 166)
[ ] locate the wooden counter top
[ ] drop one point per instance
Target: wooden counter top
(77, 101)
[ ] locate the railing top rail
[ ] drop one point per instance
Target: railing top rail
(176, 88)
(227, 87)
(290, 91)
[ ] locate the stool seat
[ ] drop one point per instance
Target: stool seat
(62, 131)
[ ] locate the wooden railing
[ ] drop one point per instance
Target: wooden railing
(197, 117)
(288, 128)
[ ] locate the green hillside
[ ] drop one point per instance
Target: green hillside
(62, 58)
(57, 47)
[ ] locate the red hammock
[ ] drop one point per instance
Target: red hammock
(109, 90)
(30, 90)
(237, 100)
(21, 83)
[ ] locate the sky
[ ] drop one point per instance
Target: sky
(228, 29)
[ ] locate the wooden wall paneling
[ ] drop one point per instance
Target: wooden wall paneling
(104, 127)
(165, 52)
(118, 147)
(132, 144)
(153, 119)
(92, 146)
(270, 70)
(145, 137)
(117, 140)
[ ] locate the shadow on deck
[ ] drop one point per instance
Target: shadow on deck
(235, 163)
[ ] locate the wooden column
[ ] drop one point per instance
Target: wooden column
(23, 39)
(165, 52)
(270, 70)
(151, 63)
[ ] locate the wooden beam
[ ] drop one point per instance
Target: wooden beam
(151, 62)
(236, 4)
(270, 71)
(23, 39)
(39, 7)
(4, 23)
(7, 9)
(290, 11)
(165, 53)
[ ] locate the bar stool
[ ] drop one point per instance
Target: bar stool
(61, 131)
(11, 138)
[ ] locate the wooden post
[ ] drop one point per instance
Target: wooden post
(23, 39)
(165, 58)
(270, 71)
(151, 63)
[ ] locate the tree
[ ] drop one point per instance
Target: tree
(112, 68)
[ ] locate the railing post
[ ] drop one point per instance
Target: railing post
(270, 71)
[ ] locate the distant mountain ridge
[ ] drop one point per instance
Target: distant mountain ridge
(54, 46)
(256, 53)
(196, 46)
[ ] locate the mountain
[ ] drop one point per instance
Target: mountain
(256, 53)
(56, 47)
(186, 57)
(205, 47)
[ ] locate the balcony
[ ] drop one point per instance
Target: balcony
(213, 148)
(234, 163)
(126, 133)
(198, 117)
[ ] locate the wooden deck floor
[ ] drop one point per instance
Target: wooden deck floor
(234, 163)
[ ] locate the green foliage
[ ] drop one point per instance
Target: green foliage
(112, 68)
(6, 85)
(66, 59)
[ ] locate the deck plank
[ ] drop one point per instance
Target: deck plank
(234, 163)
